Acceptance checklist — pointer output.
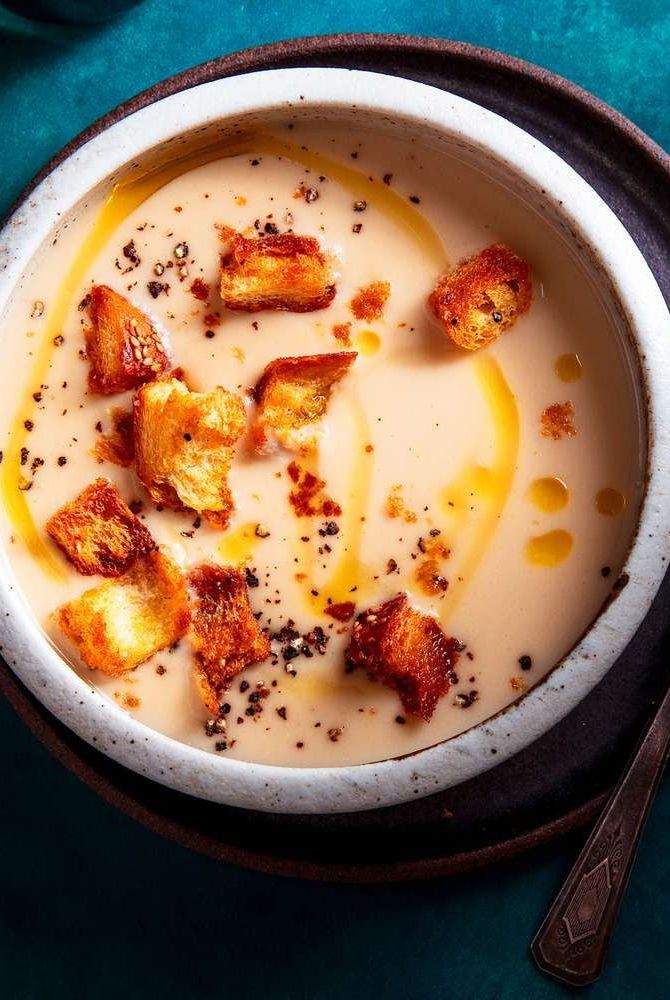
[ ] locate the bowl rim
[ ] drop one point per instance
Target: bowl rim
(350, 788)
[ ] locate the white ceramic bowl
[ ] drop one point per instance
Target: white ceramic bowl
(625, 282)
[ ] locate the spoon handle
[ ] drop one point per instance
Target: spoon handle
(572, 942)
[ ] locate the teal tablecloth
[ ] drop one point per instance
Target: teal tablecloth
(93, 905)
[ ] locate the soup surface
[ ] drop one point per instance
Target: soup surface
(418, 438)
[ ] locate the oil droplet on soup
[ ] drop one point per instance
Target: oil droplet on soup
(549, 494)
(569, 367)
(550, 549)
(367, 342)
(239, 543)
(610, 502)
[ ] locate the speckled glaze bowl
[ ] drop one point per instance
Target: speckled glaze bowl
(625, 283)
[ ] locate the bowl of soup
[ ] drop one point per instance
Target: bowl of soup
(333, 451)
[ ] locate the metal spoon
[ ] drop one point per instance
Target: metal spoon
(572, 942)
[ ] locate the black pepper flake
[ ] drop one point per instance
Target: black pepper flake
(254, 163)
(131, 254)
(84, 304)
(62, 460)
(37, 396)
(28, 424)
(496, 316)
(357, 226)
(160, 670)
(334, 734)
(244, 686)
(360, 206)
(391, 566)
(290, 652)
(388, 178)
(271, 229)
(188, 437)
(24, 455)
(466, 700)
(300, 745)
(220, 746)
(224, 708)
(401, 720)
(415, 199)
(251, 578)
(281, 712)
(525, 662)
(254, 697)
(605, 572)
(156, 287)
(209, 334)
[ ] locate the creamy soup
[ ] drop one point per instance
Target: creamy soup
(418, 438)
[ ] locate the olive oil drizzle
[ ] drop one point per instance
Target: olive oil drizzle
(497, 478)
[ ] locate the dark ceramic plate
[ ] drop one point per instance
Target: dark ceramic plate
(558, 782)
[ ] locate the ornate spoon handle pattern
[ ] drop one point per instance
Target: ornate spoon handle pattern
(572, 942)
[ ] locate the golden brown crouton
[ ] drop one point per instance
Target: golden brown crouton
(406, 650)
(286, 272)
(292, 395)
(226, 636)
(184, 446)
(368, 303)
(123, 347)
(118, 446)
(483, 296)
(121, 623)
(99, 533)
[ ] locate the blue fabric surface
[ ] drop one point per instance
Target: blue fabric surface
(92, 904)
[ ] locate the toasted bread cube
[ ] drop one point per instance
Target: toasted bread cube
(483, 296)
(406, 650)
(184, 446)
(99, 533)
(123, 346)
(121, 623)
(286, 272)
(292, 395)
(226, 636)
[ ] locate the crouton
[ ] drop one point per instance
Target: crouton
(286, 272)
(368, 303)
(117, 446)
(483, 296)
(99, 533)
(121, 623)
(406, 650)
(292, 395)
(226, 636)
(184, 446)
(123, 347)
